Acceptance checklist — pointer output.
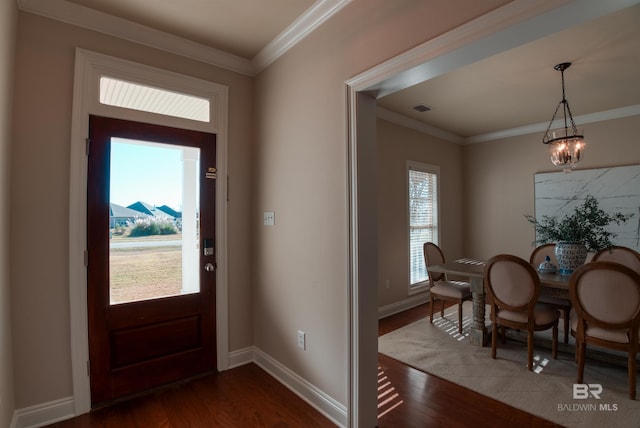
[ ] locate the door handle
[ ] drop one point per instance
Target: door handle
(210, 267)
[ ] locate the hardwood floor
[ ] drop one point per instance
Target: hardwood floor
(425, 401)
(248, 397)
(241, 397)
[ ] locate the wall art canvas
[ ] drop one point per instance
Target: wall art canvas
(617, 189)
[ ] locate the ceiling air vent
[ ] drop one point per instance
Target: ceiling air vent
(421, 108)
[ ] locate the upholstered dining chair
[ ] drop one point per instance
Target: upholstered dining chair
(538, 255)
(440, 288)
(618, 254)
(514, 286)
(606, 302)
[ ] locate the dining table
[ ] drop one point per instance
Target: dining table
(552, 284)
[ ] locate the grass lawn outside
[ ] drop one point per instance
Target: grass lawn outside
(145, 273)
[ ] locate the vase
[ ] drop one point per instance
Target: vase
(570, 256)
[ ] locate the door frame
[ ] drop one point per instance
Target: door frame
(506, 27)
(89, 67)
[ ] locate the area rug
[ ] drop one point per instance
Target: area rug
(548, 391)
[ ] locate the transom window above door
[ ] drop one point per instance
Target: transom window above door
(120, 93)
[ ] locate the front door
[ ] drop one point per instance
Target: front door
(151, 256)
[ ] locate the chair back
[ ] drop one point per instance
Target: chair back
(623, 255)
(539, 254)
(606, 295)
(512, 283)
(433, 255)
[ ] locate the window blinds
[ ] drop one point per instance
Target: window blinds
(423, 198)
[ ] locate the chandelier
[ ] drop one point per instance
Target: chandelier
(566, 145)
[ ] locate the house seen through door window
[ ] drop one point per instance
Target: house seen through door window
(422, 184)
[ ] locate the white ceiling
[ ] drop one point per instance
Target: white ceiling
(520, 87)
(513, 89)
(239, 27)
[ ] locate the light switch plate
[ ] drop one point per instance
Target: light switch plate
(269, 218)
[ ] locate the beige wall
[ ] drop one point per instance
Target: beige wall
(40, 197)
(297, 278)
(290, 277)
(8, 26)
(397, 145)
(499, 182)
(493, 180)
(293, 276)
(300, 266)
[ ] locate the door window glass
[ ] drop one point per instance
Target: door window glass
(153, 220)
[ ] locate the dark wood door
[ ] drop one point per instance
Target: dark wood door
(151, 266)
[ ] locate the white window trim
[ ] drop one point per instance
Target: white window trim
(89, 66)
(432, 169)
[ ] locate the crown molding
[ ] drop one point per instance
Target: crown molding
(416, 125)
(81, 16)
(408, 122)
(321, 11)
(84, 17)
(584, 119)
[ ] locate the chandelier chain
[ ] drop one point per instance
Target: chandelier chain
(566, 103)
(546, 133)
(565, 150)
(566, 109)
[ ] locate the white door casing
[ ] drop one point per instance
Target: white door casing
(89, 67)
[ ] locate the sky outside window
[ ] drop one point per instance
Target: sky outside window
(146, 172)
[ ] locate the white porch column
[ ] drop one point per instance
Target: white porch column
(190, 239)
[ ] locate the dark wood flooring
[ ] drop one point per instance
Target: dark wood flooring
(241, 397)
(424, 400)
(248, 397)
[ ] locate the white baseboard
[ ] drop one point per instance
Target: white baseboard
(326, 405)
(58, 410)
(403, 305)
(241, 357)
(44, 414)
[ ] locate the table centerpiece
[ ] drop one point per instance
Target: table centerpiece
(584, 230)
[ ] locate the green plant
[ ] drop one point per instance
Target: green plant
(586, 225)
(119, 230)
(166, 227)
(150, 226)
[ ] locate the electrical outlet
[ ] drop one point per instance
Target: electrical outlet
(302, 341)
(269, 218)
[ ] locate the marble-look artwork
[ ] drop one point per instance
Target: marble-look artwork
(617, 189)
